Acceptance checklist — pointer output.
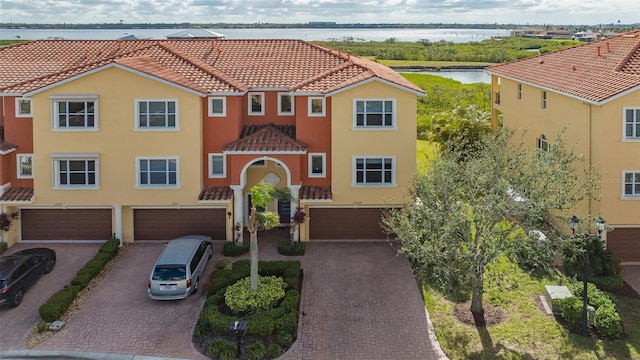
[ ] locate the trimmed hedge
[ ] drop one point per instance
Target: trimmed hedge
(59, 302)
(291, 249)
(606, 319)
(3, 247)
(231, 249)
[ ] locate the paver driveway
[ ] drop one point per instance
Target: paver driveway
(16, 322)
(359, 301)
(120, 318)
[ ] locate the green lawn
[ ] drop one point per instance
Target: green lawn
(528, 333)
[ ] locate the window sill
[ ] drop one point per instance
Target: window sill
(212, 176)
(630, 140)
(318, 176)
(76, 188)
(155, 129)
(156, 187)
(75, 129)
(630, 197)
(374, 128)
(367, 186)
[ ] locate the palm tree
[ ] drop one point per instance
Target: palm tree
(262, 194)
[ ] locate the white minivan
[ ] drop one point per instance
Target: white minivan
(177, 272)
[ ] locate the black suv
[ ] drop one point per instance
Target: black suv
(19, 271)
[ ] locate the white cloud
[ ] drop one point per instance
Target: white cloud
(301, 11)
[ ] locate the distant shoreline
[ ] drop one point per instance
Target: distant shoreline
(438, 68)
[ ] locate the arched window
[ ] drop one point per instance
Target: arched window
(543, 145)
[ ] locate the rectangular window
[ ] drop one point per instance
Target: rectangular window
(544, 100)
(23, 107)
(285, 104)
(316, 106)
(317, 164)
(217, 106)
(75, 114)
(75, 171)
(374, 171)
(374, 113)
(158, 172)
(256, 103)
(217, 166)
(156, 114)
(25, 166)
(519, 91)
(632, 123)
(631, 183)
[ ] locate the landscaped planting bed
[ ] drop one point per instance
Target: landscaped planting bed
(271, 329)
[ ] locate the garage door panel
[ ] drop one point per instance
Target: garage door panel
(166, 224)
(66, 224)
(625, 243)
(343, 223)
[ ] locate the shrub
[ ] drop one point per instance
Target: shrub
(608, 283)
(222, 265)
(256, 350)
(571, 309)
(3, 247)
(58, 303)
(110, 247)
(41, 326)
(261, 324)
(607, 321)
(291, 249)
(531, 253)
(597, 297)
(602, 263)
(231, 249)
(285, 338)
(274, 350)
(223, 348)
(240, 298)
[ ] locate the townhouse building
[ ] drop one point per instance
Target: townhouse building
(153, 139)
(594, 91)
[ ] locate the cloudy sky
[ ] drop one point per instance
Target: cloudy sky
(341, 11)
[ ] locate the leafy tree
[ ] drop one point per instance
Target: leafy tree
(466, 211)
(262, 194)
(462, 127)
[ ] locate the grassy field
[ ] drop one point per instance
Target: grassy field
(528, 333)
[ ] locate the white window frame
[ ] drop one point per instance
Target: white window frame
(519, 92)
(19, 162)
(136, 119)
(543, 100)
(368, 127)
(635, 179)
(224, 165)
(210, 106)
(292, 99)
(19, 113)
(355, 182)
(324, 106)
(250, 103)
(324, 165)
(57, 99)
(542, 143)
(635, 124)
(139, 185)
(57, 158)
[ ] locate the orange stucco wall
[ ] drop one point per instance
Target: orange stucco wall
(17, 131)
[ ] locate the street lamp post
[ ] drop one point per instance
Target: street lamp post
(585, 298)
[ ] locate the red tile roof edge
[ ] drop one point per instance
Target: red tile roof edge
(17, 194)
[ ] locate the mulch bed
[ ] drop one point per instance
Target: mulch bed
(493, 315)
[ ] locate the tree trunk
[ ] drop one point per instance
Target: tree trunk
(477, 286)
(253, 243)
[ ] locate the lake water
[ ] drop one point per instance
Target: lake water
(465, 77)
(377, 34)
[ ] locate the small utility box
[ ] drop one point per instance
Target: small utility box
(553, 294)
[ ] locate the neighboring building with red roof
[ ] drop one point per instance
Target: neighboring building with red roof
(593, 90)
(153, 139)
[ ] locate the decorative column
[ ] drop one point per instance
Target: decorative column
(117, 214)
(237, 208)
(295, 195)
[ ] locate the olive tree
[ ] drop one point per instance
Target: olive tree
(262, 194)
(468, 205)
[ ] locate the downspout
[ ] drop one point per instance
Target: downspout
(590, 150)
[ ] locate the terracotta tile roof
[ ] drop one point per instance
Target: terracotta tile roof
(213, 193)
(595, 72)
(207, 66)
(6, 147)
(267, 138)
(17, 194)
(308, 192)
